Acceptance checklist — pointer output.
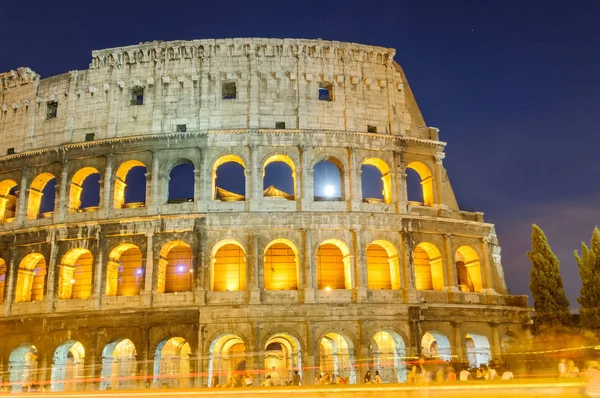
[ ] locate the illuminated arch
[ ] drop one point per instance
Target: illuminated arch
(120, 181)
(283, 352)
(228, 266)
(336, 356)
(285, 160)
(426, 181)
(36, 193)
(75, 274)
(22, 367)
(429, 273)
(8, 201)
(76, 188)
(383, 265)
(478, 349)
(218, 163)
(175, 268)
(281, 262)
(31, 278)
(468, 269)
(333, 265)
(3, 276)
(435, 344)
(388, 353)
(181, 176)
(67, 369)
(386, 177)
(227, 360)
(119, 367)
(320, 180)
(125, 271)
(172, 363)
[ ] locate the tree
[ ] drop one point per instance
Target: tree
(549, 299)
(589, 271)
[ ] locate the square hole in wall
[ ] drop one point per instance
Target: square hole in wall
(89, 137)
(228, 90)
(280, 125)
(10, 151)
(137, 96)
(51, 109)
(371, 128)
(325, 92)
(181, 128)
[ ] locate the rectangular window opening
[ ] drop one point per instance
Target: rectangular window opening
(51, 109)
(89, 137)
(325, 92)
(10, 151)
(228, 90)
(181, 128)
(371, 129)
(137, 96)
(280, 125)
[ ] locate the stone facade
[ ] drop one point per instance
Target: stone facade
(345, 103)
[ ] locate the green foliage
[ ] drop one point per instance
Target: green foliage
(549, 299)
(589, 271)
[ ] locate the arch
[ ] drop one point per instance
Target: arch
(336, 356)
(228, 266)
(119, 366)
(386, 179)
(36, 192)
(468, 269)
(68, 367)
(175, 268)
(31, 278)
(328, 179)
(478, 349)
(226, 361)
(282, 357)
(426, 182)
(120, 191)
(281, 186)
(3, 276)
(182, 180)
(125, 273)
(281, 265)
(8, 200)
(333, 265)
(75, 274)
(383, 265)
(435, 344)
(78, 190)
(429, 273)
(388, 353)
(172, 363)
(22, 367)
(222, 194)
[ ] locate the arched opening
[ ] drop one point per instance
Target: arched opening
(424, 195)
(427, 260)
(333, 266)
(31, 278)
(376, 181)
(2, 280)
(130, 185)
(228, 270)
(84, 193)
(279, 177)
(172, 363)
(388, 352)
(327, 180)
(478, 350)
(229, 179)
(125, 271)
(68, 367)
(282, 358)
(75, 275)
(41, 196)
(181, 183)
(8, 200)
(22, 367)
(175, 270)
(281, 265)
(336, 357)
(383, 266)
(119, 367)
(435, 344)
(468, 269)
(227, 361)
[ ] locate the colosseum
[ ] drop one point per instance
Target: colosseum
(181, 212)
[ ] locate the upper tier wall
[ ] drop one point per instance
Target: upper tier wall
(276, 81)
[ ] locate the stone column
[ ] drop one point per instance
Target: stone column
(407, 268)
(152, 181)
(458, 342)
(305, 177)
(51, 276)
(205, 181)
(437, 182)
(254, 364)
(309, 362)
(363, 350)
(105, 193)
(9, 285)
(352, 182)
(486, 271)
(309, 268)
(495, 343)
(360, 266)
(450, 280)
(202, 282)
(61, 203)
(253, 180)
(253, 268)
(98, 271)
(399, 180)
(148, 292)
(21, 213)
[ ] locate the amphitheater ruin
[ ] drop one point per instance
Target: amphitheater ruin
(212, 266)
